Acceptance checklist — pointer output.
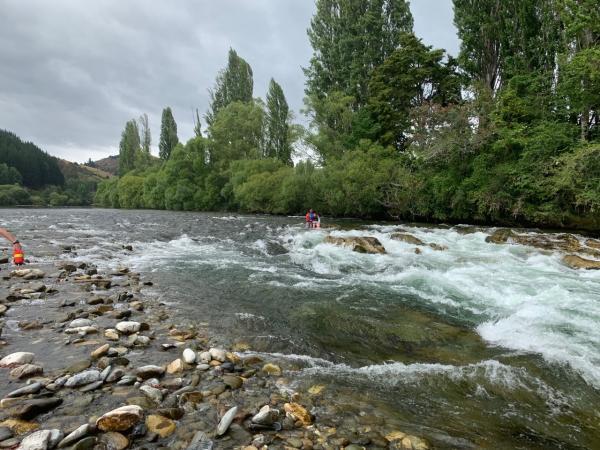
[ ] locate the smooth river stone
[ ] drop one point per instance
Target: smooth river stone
(226, 420)
(80, 379)
(41, 440)
(26, 370)
(78, 323)
(79, 433)
(120, 419)
(189, 356)
(16, 359)
(128, 327)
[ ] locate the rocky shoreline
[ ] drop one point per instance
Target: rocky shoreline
(89, 361)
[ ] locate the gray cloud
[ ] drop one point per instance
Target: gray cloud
(72, 72)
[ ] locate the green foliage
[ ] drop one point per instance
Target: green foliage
(37, 168)
(237, 133)
(9, 175)
(11, 195)
(129, 147)
(168, 134)
(235, 83)
(277, 129)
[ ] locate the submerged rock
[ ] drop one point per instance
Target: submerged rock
(128, 327)
(160, 425)
(200, 442)
(28, 409)
(577, 262)
(298, 413)
(41, 440)
(266, 416)
(120, 419)
(76, 435)
(26, 370)
(83, 378)
(359, 244)
(114, 441)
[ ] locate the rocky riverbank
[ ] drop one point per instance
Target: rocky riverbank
(91, 361)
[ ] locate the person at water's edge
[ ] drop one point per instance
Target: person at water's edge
(18, 255)
(313, 220)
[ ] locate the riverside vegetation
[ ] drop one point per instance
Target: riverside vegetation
(507, 132)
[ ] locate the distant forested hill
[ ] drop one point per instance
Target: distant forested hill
(36, 167)
(109, 164)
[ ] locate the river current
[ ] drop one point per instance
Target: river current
(480, 345)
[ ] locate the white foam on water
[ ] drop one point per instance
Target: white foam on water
(523, 298)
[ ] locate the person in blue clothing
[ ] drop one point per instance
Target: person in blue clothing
(312, 219)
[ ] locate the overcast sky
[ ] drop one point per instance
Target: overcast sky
(72, 72)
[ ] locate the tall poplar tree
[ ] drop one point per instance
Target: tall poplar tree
(277, 142)
(128, 147)
(349, 39)
(145, 135)
(235, 83)
(168, 134)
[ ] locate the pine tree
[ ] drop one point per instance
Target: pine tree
(277, 128)
(234, 83)
(128, 147)
(168, 134)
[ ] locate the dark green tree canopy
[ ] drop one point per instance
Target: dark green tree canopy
(277, 128)
(35, 166)
(129, 147)
(235, 83)
(168, 134)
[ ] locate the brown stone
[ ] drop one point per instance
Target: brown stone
(160, 425)
(408, 238)
(577, 262)
(359, 244)
(120, 419)
(298, 413)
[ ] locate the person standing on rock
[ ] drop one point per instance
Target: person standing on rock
(18, 255)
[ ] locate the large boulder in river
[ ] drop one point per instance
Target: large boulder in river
(408, 238)
(500, 236)
(577, 262)
(593, 243)
(16, 359)
(360, 244)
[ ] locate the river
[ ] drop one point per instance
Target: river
(478, 346)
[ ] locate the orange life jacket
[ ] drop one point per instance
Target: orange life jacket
(18, 255)
(307, 217)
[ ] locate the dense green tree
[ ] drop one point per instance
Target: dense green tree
(277, 129)
(349, 39)
(9, 175)
(168, 134)
(237, 133)
(197, 125)
(413, 76)
(129, 147)
(36, 167)
(235, 83)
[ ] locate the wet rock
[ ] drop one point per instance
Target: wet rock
(3, 309)
(189, 356)
(120, 419)
(122, 314)
(175, 367)
(171, 413)
(200, 442)
(113, 441)
(115, 375)
(30, 325)
(5, 433)
(83, 378)
(203, 367)
(16, 359)
(204, 357)
(78, 323)
(87, 443)
(160, 425)
(438, 247)
(276, 249)
(82, 330)
(26, 370)
(78, 366)
(41, 440)
(272, 369)
(28, 274)
(128, 327)
(577, 262)
(32, 388)
(29, 409)
(92, 386)
(149, 371)
(500, 236)
(100, 351)
(142, 341)
(298, 413)
(593, 243)
(359, 244)
(408, 238)
(111, 334)
(226, 420)
(76, 435)
(218, 354)
(233, 381)
(266, 416)
(18, 426)
(152, 393)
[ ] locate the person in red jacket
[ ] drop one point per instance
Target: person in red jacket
(18, 254)
(312, 219)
